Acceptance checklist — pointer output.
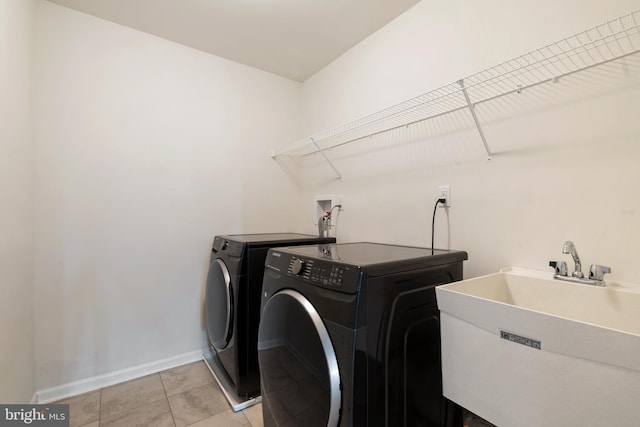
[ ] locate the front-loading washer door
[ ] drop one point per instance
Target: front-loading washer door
(298, 367)
(219, 305)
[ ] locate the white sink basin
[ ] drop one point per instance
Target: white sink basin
(521, 348)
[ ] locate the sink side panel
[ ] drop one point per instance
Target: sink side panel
(510, 384)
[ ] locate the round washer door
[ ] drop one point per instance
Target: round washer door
(219, 305)
(299, 373)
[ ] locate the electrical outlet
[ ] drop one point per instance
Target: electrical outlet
(444, 192)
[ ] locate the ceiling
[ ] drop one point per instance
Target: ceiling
(291, 38)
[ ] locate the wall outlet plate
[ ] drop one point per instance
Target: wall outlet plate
(444, 192)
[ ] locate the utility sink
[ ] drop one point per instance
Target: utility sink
(522, 348)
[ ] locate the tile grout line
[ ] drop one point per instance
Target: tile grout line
(166, 396)
(100, 408)
(247, 418)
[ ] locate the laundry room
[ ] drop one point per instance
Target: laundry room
(125, 153)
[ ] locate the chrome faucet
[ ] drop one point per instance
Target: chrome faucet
(570, 248)
(596, 272)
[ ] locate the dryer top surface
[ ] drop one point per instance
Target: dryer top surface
(364, 254)
(281, 239)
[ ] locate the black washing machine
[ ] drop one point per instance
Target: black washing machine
(232, 309)
(350, 336)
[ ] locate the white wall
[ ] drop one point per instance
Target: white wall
(16, 202)
(564, 168)
(146, 149)
(141, 158)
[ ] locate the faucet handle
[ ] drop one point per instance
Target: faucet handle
(597, 272)
(559, 266)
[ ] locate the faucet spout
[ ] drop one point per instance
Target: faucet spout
(570, 248)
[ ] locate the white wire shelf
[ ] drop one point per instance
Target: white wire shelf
(610, 41)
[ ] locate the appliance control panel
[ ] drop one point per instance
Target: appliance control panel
(331, 275)
(228, 246)
(328, 274)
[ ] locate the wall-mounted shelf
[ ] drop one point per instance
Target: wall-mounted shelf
(611, 41)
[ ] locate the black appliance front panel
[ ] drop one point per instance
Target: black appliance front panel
(387, 342)
(232, 301)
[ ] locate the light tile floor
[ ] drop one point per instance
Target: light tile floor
(179, 397)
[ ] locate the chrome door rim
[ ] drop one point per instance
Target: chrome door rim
(227, 287)
(327, 346)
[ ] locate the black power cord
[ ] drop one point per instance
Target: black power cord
(433, 221)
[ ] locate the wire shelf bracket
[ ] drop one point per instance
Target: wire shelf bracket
(326, 158)
(472, 109)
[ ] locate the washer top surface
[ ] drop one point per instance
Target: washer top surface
(367, 256)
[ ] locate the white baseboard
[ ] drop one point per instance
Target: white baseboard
(86, 385)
